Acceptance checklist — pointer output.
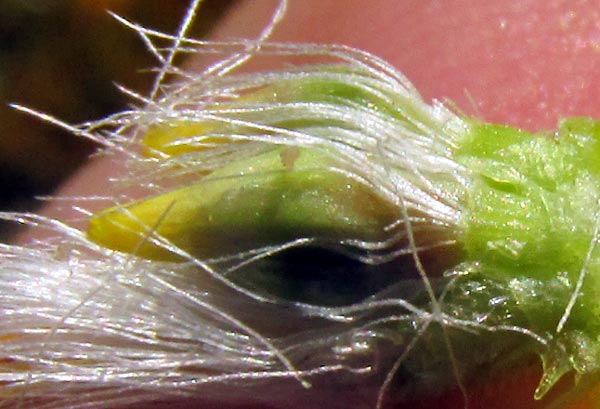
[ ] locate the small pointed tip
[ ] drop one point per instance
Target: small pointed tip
(556, 365)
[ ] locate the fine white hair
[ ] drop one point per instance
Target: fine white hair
(84, 326)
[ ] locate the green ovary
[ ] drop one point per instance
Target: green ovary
(530, 222)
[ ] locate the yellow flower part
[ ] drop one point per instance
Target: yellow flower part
(280, 196)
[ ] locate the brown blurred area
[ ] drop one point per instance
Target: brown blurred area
(63, 57)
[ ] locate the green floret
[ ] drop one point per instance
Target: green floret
(354, 159)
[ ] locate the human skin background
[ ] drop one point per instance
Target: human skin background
(522, 62)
